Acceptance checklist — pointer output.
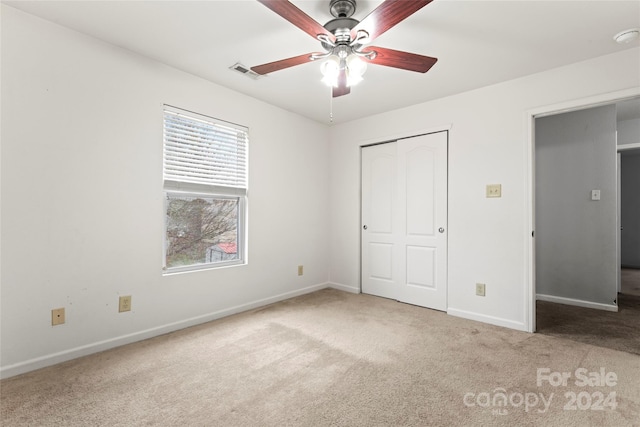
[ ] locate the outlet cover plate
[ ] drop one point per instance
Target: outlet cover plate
(57, 316)
(494, 190)
(480, 289)
(124, 304)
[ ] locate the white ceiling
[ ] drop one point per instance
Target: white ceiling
(478, 43)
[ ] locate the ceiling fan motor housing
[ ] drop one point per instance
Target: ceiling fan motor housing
(341, 28)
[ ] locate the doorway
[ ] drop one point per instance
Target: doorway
(616, 98)
(613, 330)
(404, 220)
(576, 208)
(629, 213)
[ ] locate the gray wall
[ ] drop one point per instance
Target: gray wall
(629, 132)
(630, 208)
(575, 236)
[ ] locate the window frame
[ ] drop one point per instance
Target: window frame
(172, 187)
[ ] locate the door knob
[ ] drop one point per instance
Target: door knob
(441, 230)
(365, 227)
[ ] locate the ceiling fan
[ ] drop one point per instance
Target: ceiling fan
(344, 38)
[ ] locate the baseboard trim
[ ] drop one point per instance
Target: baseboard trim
(576, 302)
(85, 350)
(346, 288)
(497, 321)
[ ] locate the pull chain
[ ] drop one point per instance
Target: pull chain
(330, 104)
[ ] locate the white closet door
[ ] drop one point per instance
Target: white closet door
(379, 221)
(404, 220)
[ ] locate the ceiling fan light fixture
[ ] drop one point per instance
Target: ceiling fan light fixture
(331, 82)
(330, 70)
(356, 68)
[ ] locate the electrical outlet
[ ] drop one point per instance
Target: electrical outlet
(480, 289)
(494, 190)
(125, 304)
(300, 270)
(57, 316)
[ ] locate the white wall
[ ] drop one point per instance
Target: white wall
(82, 200)
(576, 237)
(629, 132)
(488, 238)
(81, 178)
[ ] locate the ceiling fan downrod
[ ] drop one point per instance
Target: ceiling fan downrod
(342, 8)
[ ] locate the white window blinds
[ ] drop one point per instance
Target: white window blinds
(202, 150)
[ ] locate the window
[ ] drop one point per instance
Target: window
(205, 185)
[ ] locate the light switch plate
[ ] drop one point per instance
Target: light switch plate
(494, 190)
(595, 194)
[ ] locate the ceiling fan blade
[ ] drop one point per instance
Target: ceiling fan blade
(282, 64)
(342, 88)
(400, 59)
(388, 14)
(291, 13)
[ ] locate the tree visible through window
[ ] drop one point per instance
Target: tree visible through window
(205, 187)
(195, 225)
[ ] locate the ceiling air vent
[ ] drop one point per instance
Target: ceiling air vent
(244, 70)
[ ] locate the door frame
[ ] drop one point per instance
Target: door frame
(530, 246)
(391, 138)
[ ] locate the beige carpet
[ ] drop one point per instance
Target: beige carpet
(331, 359)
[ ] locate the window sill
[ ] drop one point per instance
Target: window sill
(201, 267)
